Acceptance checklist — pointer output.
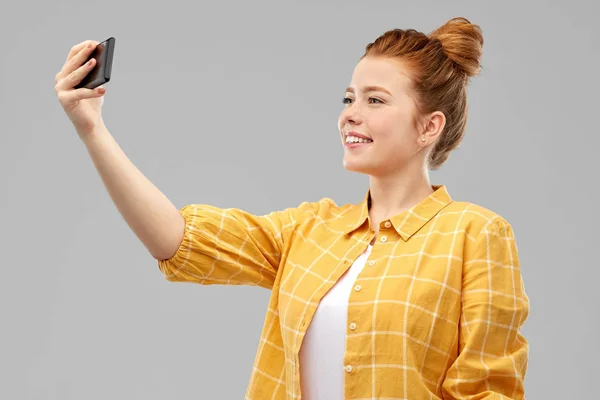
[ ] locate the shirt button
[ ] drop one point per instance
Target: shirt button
(357, 288)
(348, 368)
(371, 263)
(384, 239)
(352, 326)
(387, 224)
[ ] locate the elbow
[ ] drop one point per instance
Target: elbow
(169, 245)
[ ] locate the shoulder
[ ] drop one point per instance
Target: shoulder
(474, 219)
(325, 210)
(324, 207)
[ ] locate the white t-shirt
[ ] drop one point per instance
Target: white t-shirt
(324, 345)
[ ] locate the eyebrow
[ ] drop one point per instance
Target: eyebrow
(367, 89)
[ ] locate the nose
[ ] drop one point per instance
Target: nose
(350, 116)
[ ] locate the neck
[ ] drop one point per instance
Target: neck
(393, 194)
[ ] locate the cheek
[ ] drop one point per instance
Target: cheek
(387, 126)
(394, 132)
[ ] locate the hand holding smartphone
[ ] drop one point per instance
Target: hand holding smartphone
(103, 53)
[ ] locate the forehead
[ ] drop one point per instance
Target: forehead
(386, 72)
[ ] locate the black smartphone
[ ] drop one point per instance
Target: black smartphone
(103, 53)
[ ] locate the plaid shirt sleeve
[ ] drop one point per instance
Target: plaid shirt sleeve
(230, 246)
(493, 355)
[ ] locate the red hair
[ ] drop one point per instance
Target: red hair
(440, 65)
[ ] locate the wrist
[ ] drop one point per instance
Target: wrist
(98, 133)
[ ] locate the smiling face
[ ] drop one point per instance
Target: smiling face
(379, 106)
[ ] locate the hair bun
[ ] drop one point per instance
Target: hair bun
(462, 42)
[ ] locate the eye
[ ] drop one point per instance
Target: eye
(348, 100)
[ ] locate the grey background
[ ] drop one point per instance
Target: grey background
(235, 104)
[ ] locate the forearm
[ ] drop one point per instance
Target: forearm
(149, 213)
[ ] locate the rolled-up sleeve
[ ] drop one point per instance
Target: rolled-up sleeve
(493, 354)
(230, 246)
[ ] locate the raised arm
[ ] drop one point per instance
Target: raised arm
(147, 211)
(231, 246)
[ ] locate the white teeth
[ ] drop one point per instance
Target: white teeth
(354, 139)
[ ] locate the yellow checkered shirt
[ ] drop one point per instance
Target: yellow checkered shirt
(437, 311)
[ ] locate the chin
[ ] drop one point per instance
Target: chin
(358, 167)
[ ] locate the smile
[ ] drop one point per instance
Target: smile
(354, 140)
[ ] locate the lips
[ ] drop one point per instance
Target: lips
(354, 140)
(358, 135)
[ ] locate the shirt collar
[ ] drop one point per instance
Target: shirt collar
(408, 222)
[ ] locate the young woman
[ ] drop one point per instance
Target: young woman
(406, 295)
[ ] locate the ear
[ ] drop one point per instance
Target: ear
(433, 126)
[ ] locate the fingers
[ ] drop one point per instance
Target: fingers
(73, 78)
(79, 46)
(77, 56)
(72, 96)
